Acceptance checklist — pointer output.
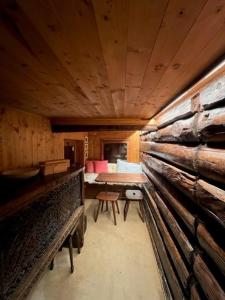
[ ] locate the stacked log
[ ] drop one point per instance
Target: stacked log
(184, 199)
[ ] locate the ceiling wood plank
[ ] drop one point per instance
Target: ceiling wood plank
(105, 59)
(70, 30)
(178, 20)
(145, 19)
(112, 22)
(189, 61)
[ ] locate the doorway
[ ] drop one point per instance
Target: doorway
(74, 151)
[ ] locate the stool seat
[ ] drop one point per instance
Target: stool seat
(105, 197)
(108, 196)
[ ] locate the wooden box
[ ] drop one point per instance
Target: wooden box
(54, 166)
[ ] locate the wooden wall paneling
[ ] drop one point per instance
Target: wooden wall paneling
(184, 63)
(179, 17)
(145, 19)
(27, 139)
(94, 143)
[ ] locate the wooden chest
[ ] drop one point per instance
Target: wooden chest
(54, 166)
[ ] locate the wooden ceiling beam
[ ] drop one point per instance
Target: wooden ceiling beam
(80, 124)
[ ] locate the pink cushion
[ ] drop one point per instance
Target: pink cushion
(101, 166)
(89, 166)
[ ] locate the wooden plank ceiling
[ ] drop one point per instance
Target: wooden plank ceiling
(112, 58)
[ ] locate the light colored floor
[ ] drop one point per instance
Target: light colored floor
(116, 263)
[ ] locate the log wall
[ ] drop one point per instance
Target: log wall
(184, 199)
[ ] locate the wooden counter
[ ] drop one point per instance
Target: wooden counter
(33, 227)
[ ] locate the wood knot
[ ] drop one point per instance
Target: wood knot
(158, 67)
(176, 66)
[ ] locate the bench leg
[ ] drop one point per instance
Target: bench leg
(71, 254)
(107, 206)
(99, 204)
(78, 241)
(114, 212)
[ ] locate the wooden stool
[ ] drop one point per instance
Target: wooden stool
(134, 195)
(106, 197)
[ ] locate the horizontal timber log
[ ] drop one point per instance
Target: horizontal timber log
(173, 224)
(207, 196)
(176, 111)
(200, 97)
(194, 292)
(159, 263)
(207, 126)
(207, 243)
(205, 239)
(209, 284)
(200, 268)
(208, 162)
(175, 256)
(172, 196)
(169, 271)
(213, 94)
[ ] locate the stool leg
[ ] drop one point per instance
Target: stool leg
(126, 209)
(117, 207)
(107, 206)
(99, 204)
(71, 254)
(102, 206)
(78, 241)
(51, 266)
(141, 211)
(114, 212)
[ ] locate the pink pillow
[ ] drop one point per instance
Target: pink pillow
(89, 166)
(101, 166)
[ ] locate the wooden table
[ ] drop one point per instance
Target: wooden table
(122, 178)
(128, 178)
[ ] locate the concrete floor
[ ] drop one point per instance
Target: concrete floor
(116, 263)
